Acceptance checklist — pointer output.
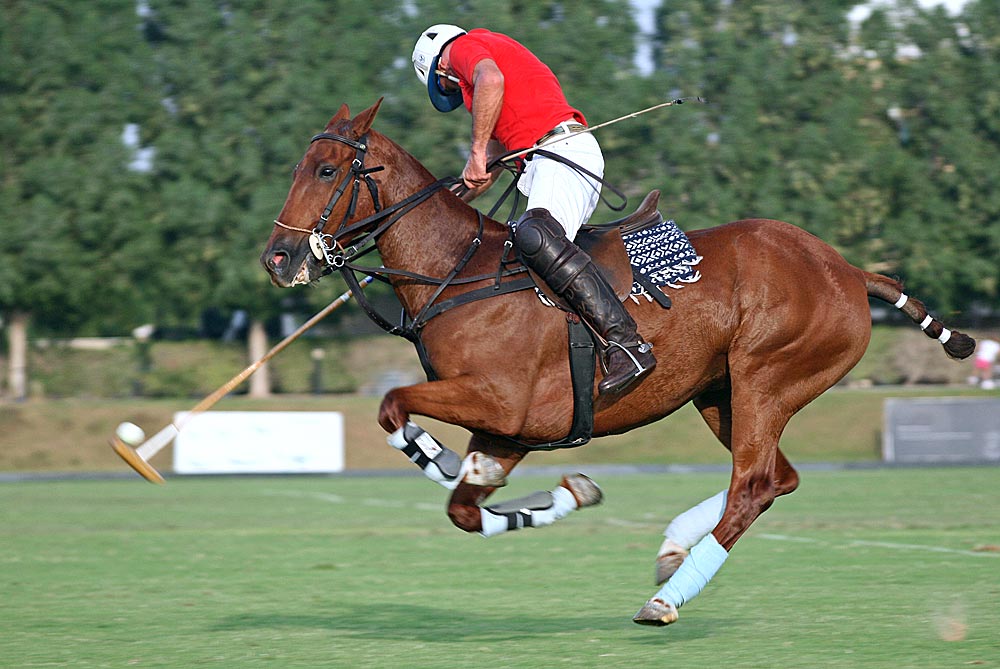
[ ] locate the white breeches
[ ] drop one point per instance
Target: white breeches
(569, 196)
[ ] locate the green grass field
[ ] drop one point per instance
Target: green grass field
(870, 568)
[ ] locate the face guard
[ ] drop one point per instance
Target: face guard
(442, 100)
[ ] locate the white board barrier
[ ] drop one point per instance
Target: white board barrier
(260, 442)
(941, 430)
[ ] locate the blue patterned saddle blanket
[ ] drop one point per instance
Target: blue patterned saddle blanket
(663, 255)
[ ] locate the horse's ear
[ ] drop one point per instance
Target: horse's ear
(363, 121)
(342, 115)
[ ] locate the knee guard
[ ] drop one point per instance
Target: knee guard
(542, 244)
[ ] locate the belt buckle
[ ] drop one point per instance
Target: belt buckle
(558, 130)
(566, 127)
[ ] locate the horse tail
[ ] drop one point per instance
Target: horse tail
(957, 345)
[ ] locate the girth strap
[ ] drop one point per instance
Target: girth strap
(651, 288)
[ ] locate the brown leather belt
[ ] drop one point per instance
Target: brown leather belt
(560, 129)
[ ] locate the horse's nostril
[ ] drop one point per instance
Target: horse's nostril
(277, 260)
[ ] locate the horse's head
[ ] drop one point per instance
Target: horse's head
(323, 196)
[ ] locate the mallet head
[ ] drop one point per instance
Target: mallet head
(135, 461)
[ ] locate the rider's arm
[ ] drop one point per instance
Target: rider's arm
(493, 149)
(487, 100)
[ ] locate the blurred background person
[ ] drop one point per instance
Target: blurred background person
(986, 357)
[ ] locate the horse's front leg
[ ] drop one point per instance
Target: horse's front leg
(474, 402)
(458, 401)
(464, 401)
(538, 509)
(443, 465)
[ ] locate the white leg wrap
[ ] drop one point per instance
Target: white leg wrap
(901, 301)
(439, 463)
(497, 522)
(698, 568)
(690, 527)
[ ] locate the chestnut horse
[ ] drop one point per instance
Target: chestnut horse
(777, 318)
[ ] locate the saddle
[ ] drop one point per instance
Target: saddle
(604, 244)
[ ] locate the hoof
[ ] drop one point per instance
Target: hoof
(584, 490)
(668, 561)
(482, 470)
(656, 612)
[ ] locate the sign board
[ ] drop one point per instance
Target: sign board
(941, 430)
(260, 442)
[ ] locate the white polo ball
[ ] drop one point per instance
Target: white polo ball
(131, 434)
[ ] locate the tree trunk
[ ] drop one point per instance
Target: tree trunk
(260, 382)
(18, 374)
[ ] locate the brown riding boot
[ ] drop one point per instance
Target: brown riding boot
(569, 271)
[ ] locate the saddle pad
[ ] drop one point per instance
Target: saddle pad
(662, 254)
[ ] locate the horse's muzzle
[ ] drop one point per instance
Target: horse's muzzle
(289, 267)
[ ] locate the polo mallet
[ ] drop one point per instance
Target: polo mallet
(138, 457)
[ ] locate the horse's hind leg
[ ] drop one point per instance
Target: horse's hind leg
(690, 527)
(717, 411)
(467, 512)
(756, 423)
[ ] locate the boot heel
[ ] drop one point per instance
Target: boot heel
(626, 366)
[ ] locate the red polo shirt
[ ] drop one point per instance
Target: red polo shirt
(533, 101)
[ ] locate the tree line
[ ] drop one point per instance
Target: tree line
(146, 147)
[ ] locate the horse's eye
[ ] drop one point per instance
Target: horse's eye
(326, 171)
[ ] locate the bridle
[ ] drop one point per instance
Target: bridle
(327, 246)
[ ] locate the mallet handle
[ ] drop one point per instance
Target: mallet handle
(562, 138)
(155, 444)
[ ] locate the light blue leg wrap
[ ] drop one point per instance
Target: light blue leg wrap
(691, 526)
(695, 572)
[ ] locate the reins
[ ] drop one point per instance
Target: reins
(516, 167)
(327, 248)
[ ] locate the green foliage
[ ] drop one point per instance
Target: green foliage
(60, 371)
(889, 157)
(70, 208)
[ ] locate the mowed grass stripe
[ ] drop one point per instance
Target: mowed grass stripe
(275, 573)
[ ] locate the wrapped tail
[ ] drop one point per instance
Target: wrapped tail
(956, 344)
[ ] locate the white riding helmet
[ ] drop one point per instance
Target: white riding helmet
(426, 53)
(432, 41)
